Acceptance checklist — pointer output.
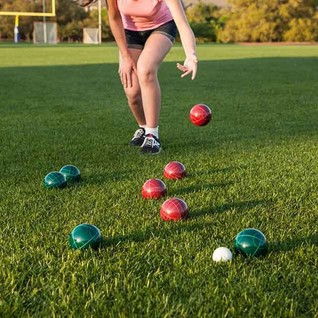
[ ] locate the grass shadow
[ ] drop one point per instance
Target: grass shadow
(218, 170)
(104, 178)
(285, 246)
(147, 234)
(238, 206)
(200, 187)
(276, 100)
(143, 236)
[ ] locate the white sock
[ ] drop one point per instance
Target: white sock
(153, 131)
(143, 126)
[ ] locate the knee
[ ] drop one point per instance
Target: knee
(134, 97)
(146, 74)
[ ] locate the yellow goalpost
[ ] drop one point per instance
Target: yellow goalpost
(32, 14)
(18, 14)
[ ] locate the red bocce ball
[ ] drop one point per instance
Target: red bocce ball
(174, 170)
(200, 115)
(174, 209)
(153, 189)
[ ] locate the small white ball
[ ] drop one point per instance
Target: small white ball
(222, 254)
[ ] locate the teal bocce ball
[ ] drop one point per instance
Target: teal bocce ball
(85, 236)
(54, 179)
(251, 242)
(71, 173)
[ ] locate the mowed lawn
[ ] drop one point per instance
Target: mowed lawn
(255, 165)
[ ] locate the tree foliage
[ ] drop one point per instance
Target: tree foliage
(271, 20)
(242, 21)
(26, 23)
(69, 16)
(204, 20)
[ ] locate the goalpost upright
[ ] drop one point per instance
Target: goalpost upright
(18, 14)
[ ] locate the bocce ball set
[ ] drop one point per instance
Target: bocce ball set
(59, 179)
(249, 242)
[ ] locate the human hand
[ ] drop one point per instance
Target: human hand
(190, 65)
(126, 68)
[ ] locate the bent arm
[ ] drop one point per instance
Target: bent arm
(187, 38)
(126, 63)
(116, 26)
(185, 31)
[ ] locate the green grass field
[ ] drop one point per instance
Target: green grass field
(255, 165)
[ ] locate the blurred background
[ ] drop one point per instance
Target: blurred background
(220, 21)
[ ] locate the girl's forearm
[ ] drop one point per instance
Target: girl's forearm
(188, 42)
(116, 26)
(117, 29)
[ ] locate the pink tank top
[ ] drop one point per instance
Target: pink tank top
(142, 15)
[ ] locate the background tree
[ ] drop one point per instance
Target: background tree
(92, 22)
(271, 20)
(25, 23)
(204, 20)
(69, 17)
(301, 19)
(67, 13)
(242, 21)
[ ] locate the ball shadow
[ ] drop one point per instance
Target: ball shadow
(104, 178)
(239, 206)
(285, 246)
(180, 226)
(219, 170)
(200, 187)
(147, 234)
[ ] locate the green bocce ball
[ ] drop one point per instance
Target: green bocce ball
(71, 173)
(251, 242)
(54, 179)
(85, 236)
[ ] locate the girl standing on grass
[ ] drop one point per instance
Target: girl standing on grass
(144, 31)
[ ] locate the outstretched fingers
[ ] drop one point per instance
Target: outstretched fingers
(184, 69)
(190, 66)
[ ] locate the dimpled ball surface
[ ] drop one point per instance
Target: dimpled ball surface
(54, 179)
(85, 236)
(174, 170)
(153, 189)
(251, 242)
(71, 173)
(200, 114)
(174, 209)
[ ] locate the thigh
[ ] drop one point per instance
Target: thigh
(156, 48)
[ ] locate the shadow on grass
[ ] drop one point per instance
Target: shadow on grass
(255, 98)
(218, 170)
(285, 246)
(200, 187)
(147, 234)
(238, 206)
(104, 178)
(177, 227)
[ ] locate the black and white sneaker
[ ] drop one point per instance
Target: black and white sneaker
(138, 138)
(151, 145)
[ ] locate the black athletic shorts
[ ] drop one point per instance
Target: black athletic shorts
(137, 39)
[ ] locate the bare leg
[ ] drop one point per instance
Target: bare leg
(134, 94)
(155, 50)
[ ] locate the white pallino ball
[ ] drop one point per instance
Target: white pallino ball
(222, 254)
